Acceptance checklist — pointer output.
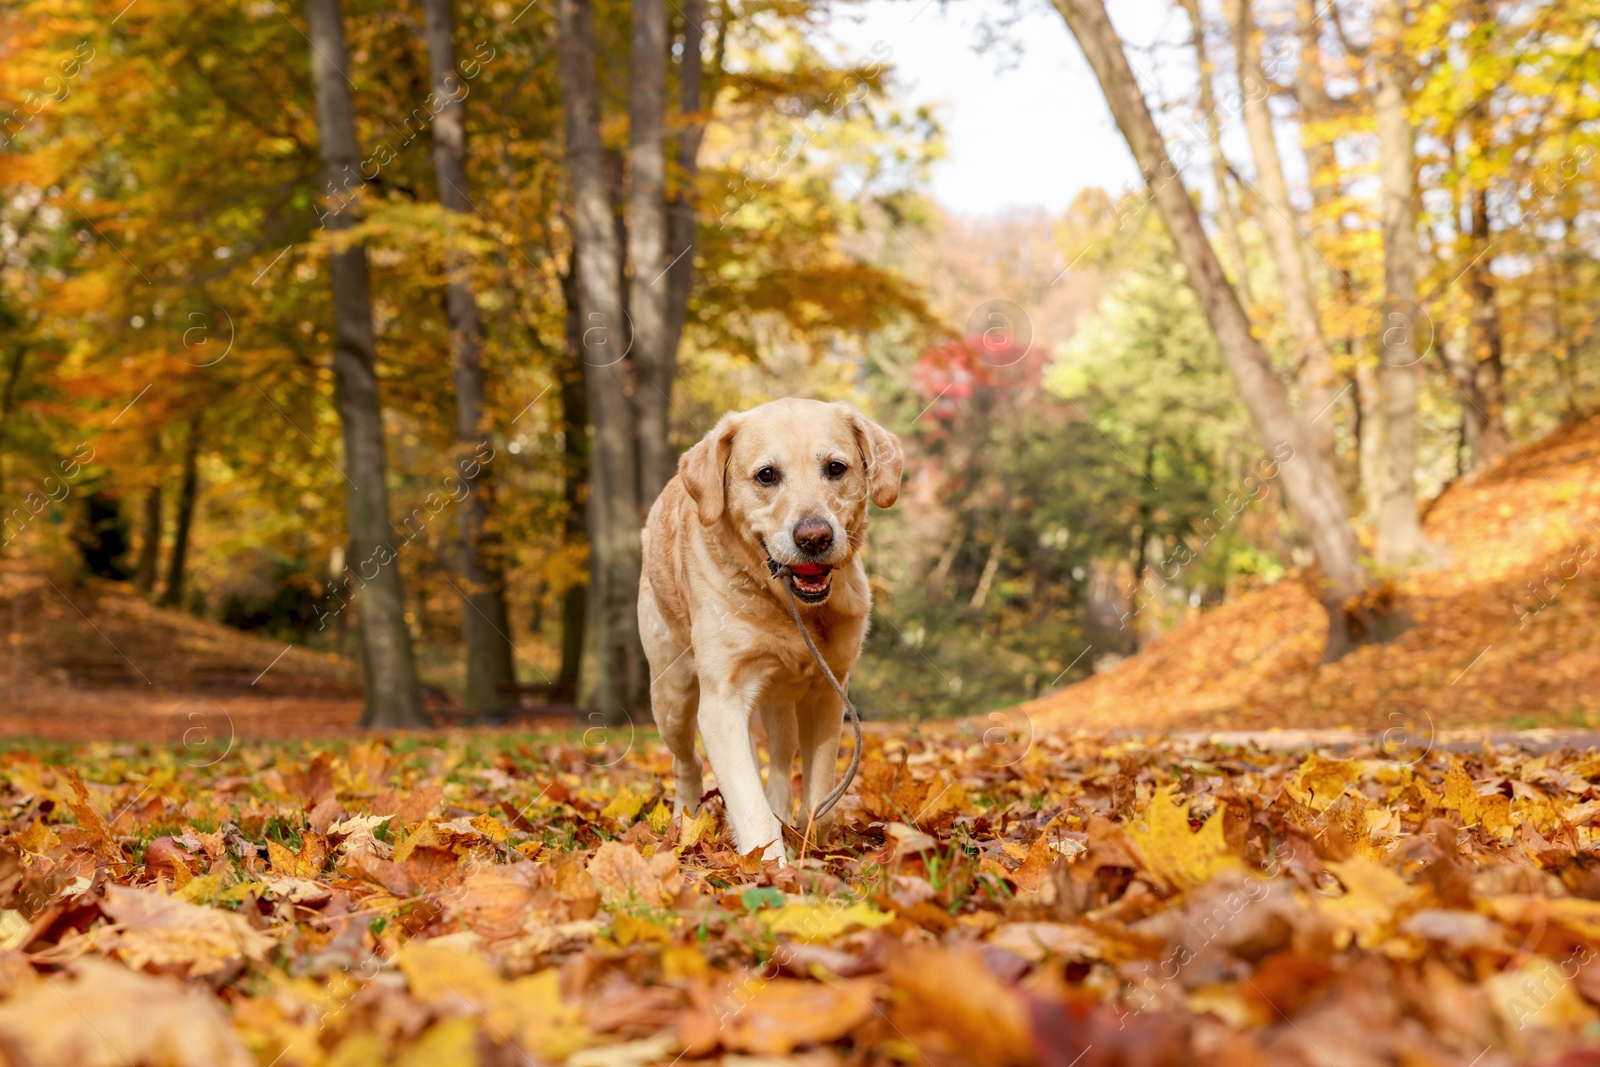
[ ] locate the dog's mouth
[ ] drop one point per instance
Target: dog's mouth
(812, 581)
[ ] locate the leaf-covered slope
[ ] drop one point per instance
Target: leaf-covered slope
(1503, 630)
(95, 659)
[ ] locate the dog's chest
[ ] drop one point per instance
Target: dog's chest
(789, 665)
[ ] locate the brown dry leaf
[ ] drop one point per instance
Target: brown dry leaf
(101, 1014)
(1037, 940)
(496, 901)
(624, 875)
(979, 1016)
(778, 1016)
(165, 857)
(89, 818)
(1036, 864)
(311, 783)
(159, 931)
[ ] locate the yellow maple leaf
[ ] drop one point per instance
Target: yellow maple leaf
(1172, 852)
(529, 1007)
(38, 839)
(424, 833)
(660, 817)
(1494, 811)
(823, 921)
(632, 929)
(626, 804)
(1320, 781)
(491, 827)
(1373, 896)
(701, 826)
(452, 1043)
(1459, 795)
(1538, 993)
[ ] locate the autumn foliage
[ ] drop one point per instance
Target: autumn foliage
(993, 899)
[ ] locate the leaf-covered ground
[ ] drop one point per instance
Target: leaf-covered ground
(464, 899)
(1502, 625)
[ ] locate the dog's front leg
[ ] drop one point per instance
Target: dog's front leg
(820, 716)
(779, 721)
(725, 728)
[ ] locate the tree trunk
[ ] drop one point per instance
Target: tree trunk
(1313, 359)
(485, 624)
(1484, 417)
(683, 213)
(393, 699)
(647, 245)
(1307, 478)
(1322, 167)
(1403, 329)
(8, 400)
(188, 496)
(991, 567)
(1226, 216)
(574, 475)
(613, 505)
(144, 572)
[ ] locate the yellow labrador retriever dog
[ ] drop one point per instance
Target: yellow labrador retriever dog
(787, 482)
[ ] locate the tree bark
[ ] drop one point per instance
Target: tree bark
(1403, 328)
(683, 219)
(1485, 415)
(647, 245)
(1227, 218)
(575, 472)
(613, 505)
(393, 698)
(188, 497)
(1313, 357)
(1308, 479)
(485, 624)
(144, 571)
(8, 399)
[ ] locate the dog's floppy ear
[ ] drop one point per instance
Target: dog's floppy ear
(704, 469)
(880, 451)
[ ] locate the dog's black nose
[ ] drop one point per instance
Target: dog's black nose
(813, 536)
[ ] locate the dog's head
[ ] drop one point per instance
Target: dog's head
(792, 478)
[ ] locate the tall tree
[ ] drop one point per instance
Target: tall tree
(486, 624)
(683, 218)
(146, 569)
(1391, 416)
(188, 498)
(393, 698)
(647, 245)
(1485, 406)
(1308, 479)
(1313, 358)
(619, 685)
(1226, 215)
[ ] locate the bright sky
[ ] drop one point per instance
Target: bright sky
(1024, 121)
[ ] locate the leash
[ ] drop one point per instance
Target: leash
(787, 575)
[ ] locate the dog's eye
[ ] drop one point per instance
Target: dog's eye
(766, 475)
(836, 469)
